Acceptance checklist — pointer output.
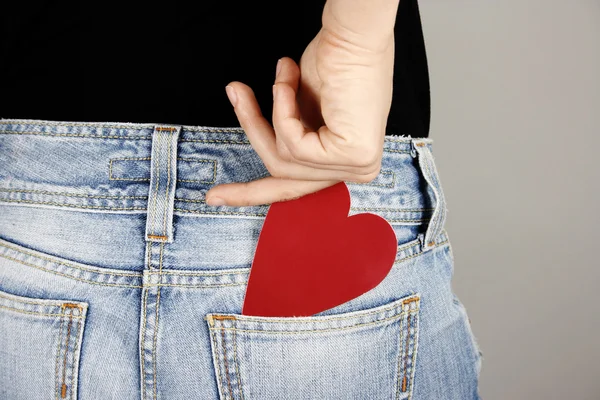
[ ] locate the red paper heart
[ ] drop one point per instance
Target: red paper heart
(311, 256)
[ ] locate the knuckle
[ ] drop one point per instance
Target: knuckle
(364, 155)
(366, 158)
(293, 152)
(284, 153)
(275, 169)
(371, 175)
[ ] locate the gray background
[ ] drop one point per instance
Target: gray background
(515, 90)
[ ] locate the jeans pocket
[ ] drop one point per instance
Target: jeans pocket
(365, 354)
(40, 343)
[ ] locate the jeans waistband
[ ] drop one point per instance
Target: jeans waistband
(164, 170)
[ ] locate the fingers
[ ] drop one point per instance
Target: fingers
(295, 142)
(299, 161)
(263, 140)
(264, 191)
(257, 128)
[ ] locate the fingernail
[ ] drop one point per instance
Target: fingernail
(231, 94)
(274, 91)
(215, 201)
(278, 68)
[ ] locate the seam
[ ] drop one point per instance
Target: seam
(148, 257)
(135, 126)
(143, 343)
(19, 301)
(73, 194)
(201, 160)
(414, 356)
(110, 164)
(399, 358)
(264, 214)
(392, 209)
(195, 286)
(226, 363)
(414, 243)
(221, 316)
(140, 126)
(419, 252)
(406, 352)
(56, 368)
(33, 312)
(63, 392)
(390, 185)
(64, 263)
(397, 151)
(239, 213)
(69, 276)
(237, 370)
(162, 245)
(169, 273)
(149, 126)
(72, 205)
(157, 237)
(217, 360)
(159, 284)
(156, 328)
(76, 135)
(75, 350)
(321, 330)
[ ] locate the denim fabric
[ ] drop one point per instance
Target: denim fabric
(117, 280)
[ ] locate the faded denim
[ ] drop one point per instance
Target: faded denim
(117, 281)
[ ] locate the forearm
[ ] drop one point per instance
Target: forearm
(367, 22)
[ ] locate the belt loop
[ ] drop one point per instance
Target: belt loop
(429, 171)
(163, 179)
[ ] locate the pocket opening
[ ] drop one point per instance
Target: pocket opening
(369, 353)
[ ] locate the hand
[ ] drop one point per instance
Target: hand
(329, 119)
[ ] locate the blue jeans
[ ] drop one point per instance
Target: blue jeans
(117, 280)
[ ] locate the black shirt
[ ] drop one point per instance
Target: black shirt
(169, 63)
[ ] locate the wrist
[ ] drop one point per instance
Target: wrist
(367, 23)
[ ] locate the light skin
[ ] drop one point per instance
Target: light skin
(329, 112)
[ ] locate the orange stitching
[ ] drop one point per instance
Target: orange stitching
(157, 237)
(226, 364)
(62, 320)
(166, 129)
(411, 300)
(71, 305)
(74, 354)
(63, 392)
(223, 317)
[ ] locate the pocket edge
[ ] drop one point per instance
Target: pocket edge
(382, 313)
